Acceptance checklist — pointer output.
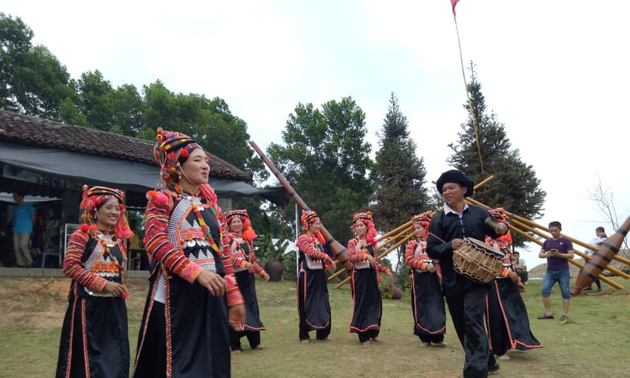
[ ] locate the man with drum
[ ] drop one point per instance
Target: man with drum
(466, 298)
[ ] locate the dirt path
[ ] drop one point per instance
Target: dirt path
(42, 302)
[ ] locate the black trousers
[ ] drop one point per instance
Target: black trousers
(252, 336)
(467, 311)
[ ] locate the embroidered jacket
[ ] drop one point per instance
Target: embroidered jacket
(169, 254)
(358, 251)
(242, 252)
(93, 271)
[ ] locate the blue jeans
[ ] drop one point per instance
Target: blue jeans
(562, 277)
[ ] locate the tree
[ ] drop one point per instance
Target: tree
(96, 100)
(604, 200)
(32, 80)
(515, 186)
(128, 107)
(399, 175)
(326, 159)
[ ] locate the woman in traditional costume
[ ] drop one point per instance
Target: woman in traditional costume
(366, 269)
(427, 302)
(94, 337)
(240, 239)
(185, 327)
(313, 304)
(506, 314)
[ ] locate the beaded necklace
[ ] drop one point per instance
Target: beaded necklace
(101, 236)
(202, 223)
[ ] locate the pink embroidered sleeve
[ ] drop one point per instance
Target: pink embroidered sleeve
(410, 259)
(306, 247)
(159, 247)
(234, 296)
(73, 267)
(353, 255)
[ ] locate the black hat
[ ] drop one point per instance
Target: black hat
(457, 177)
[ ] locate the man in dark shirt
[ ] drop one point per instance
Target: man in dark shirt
(466, 299)
(558, 250)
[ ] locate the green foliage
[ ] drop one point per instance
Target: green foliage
(326, 159)
(32, 80)
(95, 100)
(269, 251)
(399, 175)
(515, 186)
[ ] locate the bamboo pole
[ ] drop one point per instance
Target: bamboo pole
(379, 247)
(581, 254)
(388, 241)
(579, 265)
(483, 182)
(534, 224)
(514, 222)
(397, 229)
(338, 250)
(380, 256)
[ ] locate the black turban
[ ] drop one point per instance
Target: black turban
(457, 177)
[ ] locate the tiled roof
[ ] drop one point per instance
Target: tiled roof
(35, 131)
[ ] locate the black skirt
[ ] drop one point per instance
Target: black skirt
(368, 304)
(187, 336)
(102, 323)
(506, 318)
(427, 304)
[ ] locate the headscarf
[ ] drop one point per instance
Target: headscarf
(248, 232)
(308, 218)
(457, 177)
(424, 219)
(92, 199)
(366, 218)
(500, 216)
(171, 151)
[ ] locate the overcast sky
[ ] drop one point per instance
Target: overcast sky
(555, 72)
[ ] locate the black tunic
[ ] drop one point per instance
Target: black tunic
(188, 335)
(101, 322)
(507, 320)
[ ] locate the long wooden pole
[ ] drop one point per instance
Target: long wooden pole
(601, 259)
(378, 247)
(338, 250)
(390, 237)
(534, 224)
(579, 253)
(395, 230)
(380, 256)
(579, 265)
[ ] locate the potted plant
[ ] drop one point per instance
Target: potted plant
(274, 256)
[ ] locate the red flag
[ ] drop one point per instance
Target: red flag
(454, 3)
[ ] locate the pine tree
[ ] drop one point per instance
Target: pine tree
(399, 174)
(515, 186)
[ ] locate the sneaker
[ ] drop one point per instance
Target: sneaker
(564, 319)
(599, 290)
(545, 316)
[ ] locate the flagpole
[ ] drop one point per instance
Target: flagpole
(470, 106)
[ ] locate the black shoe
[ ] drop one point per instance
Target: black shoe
(545, 316)
(494, 368)
(588, 289)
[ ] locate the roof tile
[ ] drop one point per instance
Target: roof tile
(36, 131)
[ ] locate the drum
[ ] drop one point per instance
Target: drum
(477, 261)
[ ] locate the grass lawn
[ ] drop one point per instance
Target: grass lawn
(595, 342)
